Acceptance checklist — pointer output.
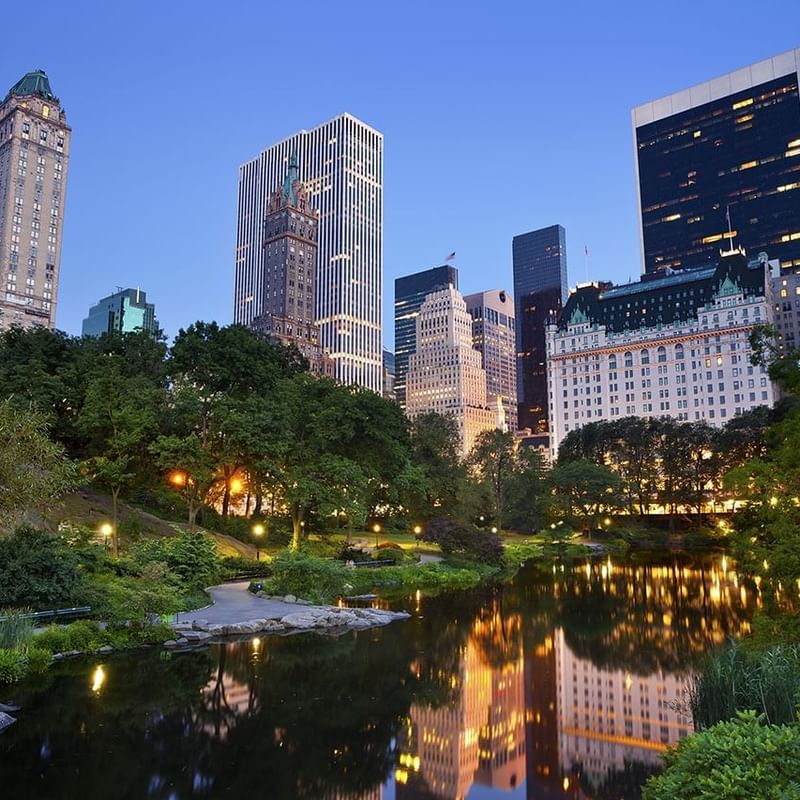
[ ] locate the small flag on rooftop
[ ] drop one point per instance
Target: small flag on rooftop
(451, 256)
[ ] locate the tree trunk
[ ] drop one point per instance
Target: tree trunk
(192, 515)
(297, 528)
(259, 501)
(226, 499)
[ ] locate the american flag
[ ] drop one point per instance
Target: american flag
(451, 256)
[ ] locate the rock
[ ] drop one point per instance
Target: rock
(106, 648)
(170, 643)
(216, 630)
(9, 708)
(196, 636)
(74, 653)
(182, 642)
(58, 656)
(6, 721)
(261, 593)
(182, 626)
(289, 598)
(300, 619)
(304, 603)
(200, 625)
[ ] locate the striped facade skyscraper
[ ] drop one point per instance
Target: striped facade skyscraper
(341, 166)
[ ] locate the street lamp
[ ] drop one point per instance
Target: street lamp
(178, 478)
(494, 528)
(258, 530)
(106, 529)
(377, 529)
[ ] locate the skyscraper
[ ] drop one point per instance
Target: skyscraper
(388, 374)
(444, 372)
(125, 311)
(340, 163)
(34, 152)
(540, 289)
(289, 282)
(718, 161)
(493, 336)
(409, 293)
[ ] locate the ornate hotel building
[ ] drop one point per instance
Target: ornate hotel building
(341, 167)
(445, 373)
(289, 286)
(34, 152)
(674, 344)
(493, 336)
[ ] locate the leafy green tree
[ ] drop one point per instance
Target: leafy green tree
(494, 460)
(33, 469)
(528, 498)
(732, 761)
(585, 488)
(634, 457)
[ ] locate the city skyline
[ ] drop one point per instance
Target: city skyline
(181, 186)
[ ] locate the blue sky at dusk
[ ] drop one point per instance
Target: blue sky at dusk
(498, 118)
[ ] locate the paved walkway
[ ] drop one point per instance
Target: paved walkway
(234, 603)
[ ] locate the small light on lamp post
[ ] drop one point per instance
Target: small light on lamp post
(258, 531)
(106, 529)
(494, 528)
(377, 529)
(177, 478)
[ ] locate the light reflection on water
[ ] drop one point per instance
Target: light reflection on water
(566, 683)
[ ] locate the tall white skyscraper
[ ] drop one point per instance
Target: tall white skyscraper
(341, 166)
(445, 373)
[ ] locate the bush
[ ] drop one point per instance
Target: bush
(737, 759)
(15, 630)
(349, 552)
(37, 568)
(309, 577)
(190, 556)
(731, 681)
(12, 666)
(455, 538)
(392, 552)
(235, 565)
(278, 536)
(38, 660)
(84, 635)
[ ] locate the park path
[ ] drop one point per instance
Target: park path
(234, 603)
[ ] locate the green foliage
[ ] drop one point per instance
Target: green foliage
(33, 469)
(190, 557)
(83, 635)
(37, 660)
(586, 489)
(12, 666)
(236, 565)
(731, 681)
(455, 538)
(16, 627)
(305, 576)
(735, 760)
(37, 568)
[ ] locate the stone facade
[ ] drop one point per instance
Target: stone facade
(34, 153)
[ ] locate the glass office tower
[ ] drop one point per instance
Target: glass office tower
(409, 293)
(540, 289)
(719, 162)
(125, 311)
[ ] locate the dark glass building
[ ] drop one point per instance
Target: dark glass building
(540, 289)
(409, 293)
(721, 162)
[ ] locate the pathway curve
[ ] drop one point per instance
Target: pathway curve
(234, 603)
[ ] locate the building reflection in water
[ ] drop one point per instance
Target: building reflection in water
(573, 715)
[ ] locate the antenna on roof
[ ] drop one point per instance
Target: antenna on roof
(586, 261)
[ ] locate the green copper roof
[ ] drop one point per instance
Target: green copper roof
(32, 83)
(292, 175)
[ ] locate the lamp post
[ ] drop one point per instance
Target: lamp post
(417, 532)
(258, 531)
(377, 529)
(106, 529)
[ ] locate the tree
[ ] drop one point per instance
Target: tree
(494, 460)
(527, 496)
(635, 459)
(585, 488)
(34, 471)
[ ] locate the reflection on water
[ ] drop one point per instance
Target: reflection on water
(567, 683)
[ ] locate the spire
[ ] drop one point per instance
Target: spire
(289, 194)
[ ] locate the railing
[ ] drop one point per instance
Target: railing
(61, 613)
(383, 563)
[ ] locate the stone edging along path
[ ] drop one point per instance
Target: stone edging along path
(236, 611)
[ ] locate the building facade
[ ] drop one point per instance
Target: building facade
(289, 281)
(445, 373)
(540, 289)
(786, 294)
(670, 346)
(721, 160)
(125, 311)
(341, 168)
(493, 336)
(409, 293)
(34, 153)
(389, 371)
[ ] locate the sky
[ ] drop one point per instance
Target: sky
(497, 118)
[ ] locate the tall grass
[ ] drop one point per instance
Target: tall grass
(15, 630)
(732, 681)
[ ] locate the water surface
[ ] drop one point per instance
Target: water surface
(567, 683)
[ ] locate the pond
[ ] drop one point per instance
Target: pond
(568, 682)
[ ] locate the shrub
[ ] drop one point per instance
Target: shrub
(730, 681)
(84, 635)
(235, 565)
(37, 568)
(455, 538)
(306, 576)
(15, 630)
(191, 556)
(54, 639)
(278, 536)
(12, 666)
(38, 660)
(393, 553)
(737, 759)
